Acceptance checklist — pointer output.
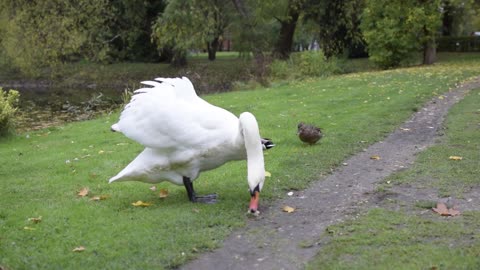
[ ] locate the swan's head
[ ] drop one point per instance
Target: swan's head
(255, 197)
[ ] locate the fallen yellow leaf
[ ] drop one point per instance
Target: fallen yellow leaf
(288, 209)
(455, 158)
(163, 193)
(78, 249)
(375, 157)
(35, 219)
(140, 203)
(83, 192)
(29, 228)
(268, 174)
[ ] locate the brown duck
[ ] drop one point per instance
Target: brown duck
(308, 133)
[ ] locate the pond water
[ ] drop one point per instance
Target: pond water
(42, 106)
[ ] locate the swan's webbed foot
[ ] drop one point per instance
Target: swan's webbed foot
(209, 199)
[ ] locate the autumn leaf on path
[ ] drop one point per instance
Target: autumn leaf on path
(35, 219)
(288, 209)
(375, 157)
(83, 192)
(455, 158)
(78, 249)
(163, 193)
(443, 210)
(140, 203)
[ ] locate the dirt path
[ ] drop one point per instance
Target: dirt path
(278, 240)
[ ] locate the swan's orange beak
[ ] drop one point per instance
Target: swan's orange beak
(254, 202)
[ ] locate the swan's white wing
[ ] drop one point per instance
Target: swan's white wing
(169, 117)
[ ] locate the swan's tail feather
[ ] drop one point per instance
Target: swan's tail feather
(115, 128)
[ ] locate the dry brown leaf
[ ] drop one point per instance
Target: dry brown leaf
(78, 249)
(288, 209)
(83, 192)
(140, 203)
(35, 219)
(455, 158)
(443, 210)
(375, 157)
(163, 193)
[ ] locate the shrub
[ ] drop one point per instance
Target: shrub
(305, 64)
(8, 103)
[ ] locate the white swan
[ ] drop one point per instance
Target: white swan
(184, 135)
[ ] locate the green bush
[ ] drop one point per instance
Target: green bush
(305, 64)
(8, 108)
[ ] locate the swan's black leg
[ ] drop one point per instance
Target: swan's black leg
(189, 187)
(210, 198)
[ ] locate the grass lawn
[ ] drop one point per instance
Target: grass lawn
(42, 172)
(412, 240)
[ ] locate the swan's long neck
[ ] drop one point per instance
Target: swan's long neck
(255, 163)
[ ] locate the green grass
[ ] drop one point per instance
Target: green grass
(384, 239)
(37, 180)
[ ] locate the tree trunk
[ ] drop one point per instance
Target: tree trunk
(447, 19)
(429, 48)
(212, 48)
(429, 53)
(284, 44)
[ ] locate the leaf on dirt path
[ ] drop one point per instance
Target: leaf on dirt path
(99, 198)
(268, 174)
(83, 192)
(375, 157)
(455, 158)
(163, 193)
(443, 210)
(78, 249)
(140, 203)
(288, 209)
(35, 219)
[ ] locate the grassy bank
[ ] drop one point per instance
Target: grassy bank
(411, 238)
(42, 172)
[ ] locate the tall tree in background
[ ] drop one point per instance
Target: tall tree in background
(46, 33)
(190, 24)
(288, 23)
(395, 30)
(338, 22)
(132, 29)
